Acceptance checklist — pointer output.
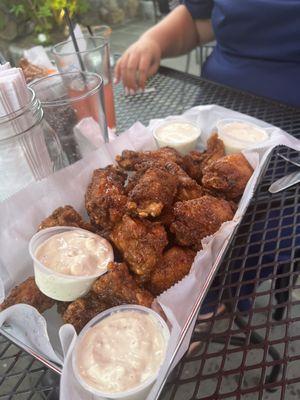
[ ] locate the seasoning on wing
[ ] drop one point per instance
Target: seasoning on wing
(114, 288)
(105, 199)
(175, 264)
(141, 243)
(228, 175)
(130, 159)
(65, 216)
(198, 218)
(28, 293)
(154, 190)
(117, 286)
(195, 161)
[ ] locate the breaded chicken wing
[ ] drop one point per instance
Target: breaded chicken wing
(175, 264)
(81, 311)
(198, 218)
(195, 161)
(105, 199)
(65, 216)
(117, 286)
(228, 175)
(154, 190)
(141, 243)
(28, 293)
(129, 159)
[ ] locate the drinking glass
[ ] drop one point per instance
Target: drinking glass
(73, 107)
(93, 56)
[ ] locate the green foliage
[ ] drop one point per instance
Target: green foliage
(45, 14)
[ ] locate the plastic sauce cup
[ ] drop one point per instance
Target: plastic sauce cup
(239, 135)
(179, 133)
(139, 392)
(53, 284)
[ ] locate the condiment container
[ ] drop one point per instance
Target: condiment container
(135, 393)
(178, 133)
(56, 285)
(239, 135)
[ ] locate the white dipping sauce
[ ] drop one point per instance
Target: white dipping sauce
(239, 135)
(68, 260)
(121, 352)
(76, 252)
(180, 135)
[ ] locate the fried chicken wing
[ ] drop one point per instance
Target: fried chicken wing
(28, 293)
(117, 286)
(105, 199)
(129, 159)
(65, 216)
(153, 191)
(81, 311)
(141, 243)
(114, 288)
(175, 264)
(198, 218)
(228, 175)
(195, 161)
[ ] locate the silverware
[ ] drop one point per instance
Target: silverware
(297, 163)
(285, 182)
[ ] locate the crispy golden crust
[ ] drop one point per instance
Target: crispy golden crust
(175, 264)
(105, 199)
(140, 242)
(28, 293)
(198, 218)
(81, 311)
(228, 175)
(130, 159)
(117, 286)
(153, 191)
(65, 216)
(195, 161)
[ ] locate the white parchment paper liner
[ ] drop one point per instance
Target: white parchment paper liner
(21, 214)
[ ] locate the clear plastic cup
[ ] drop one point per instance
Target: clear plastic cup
(178, 133)
(246, 135)
(53, 284)
(139, 392)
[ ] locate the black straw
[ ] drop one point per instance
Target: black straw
(88, 27)
(69, 22)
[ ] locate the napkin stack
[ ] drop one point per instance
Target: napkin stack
(23, 158)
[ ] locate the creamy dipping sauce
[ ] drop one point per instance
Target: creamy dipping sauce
(77, 252)
(180, 135)
(239, 135)
(121, 352)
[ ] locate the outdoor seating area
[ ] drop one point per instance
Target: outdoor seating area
(150, 230)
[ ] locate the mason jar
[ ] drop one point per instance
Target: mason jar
(29, 148)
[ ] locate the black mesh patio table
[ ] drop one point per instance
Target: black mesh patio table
(235, 354)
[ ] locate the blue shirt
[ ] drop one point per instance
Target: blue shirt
(258, 45)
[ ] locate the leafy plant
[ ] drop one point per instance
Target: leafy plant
(46, 15)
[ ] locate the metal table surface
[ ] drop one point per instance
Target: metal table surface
(253, 355)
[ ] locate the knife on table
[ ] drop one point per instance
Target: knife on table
(285, 182)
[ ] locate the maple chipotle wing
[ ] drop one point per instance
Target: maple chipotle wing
(114, 288)
(65, 216)
(141, 243)
(105, 199)
(228, 175)
(130, 159)
(117, 286)
(28, 293)
(175, 264)
(81, 311)
(195, 161)
(198, 218)
(153, 191)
